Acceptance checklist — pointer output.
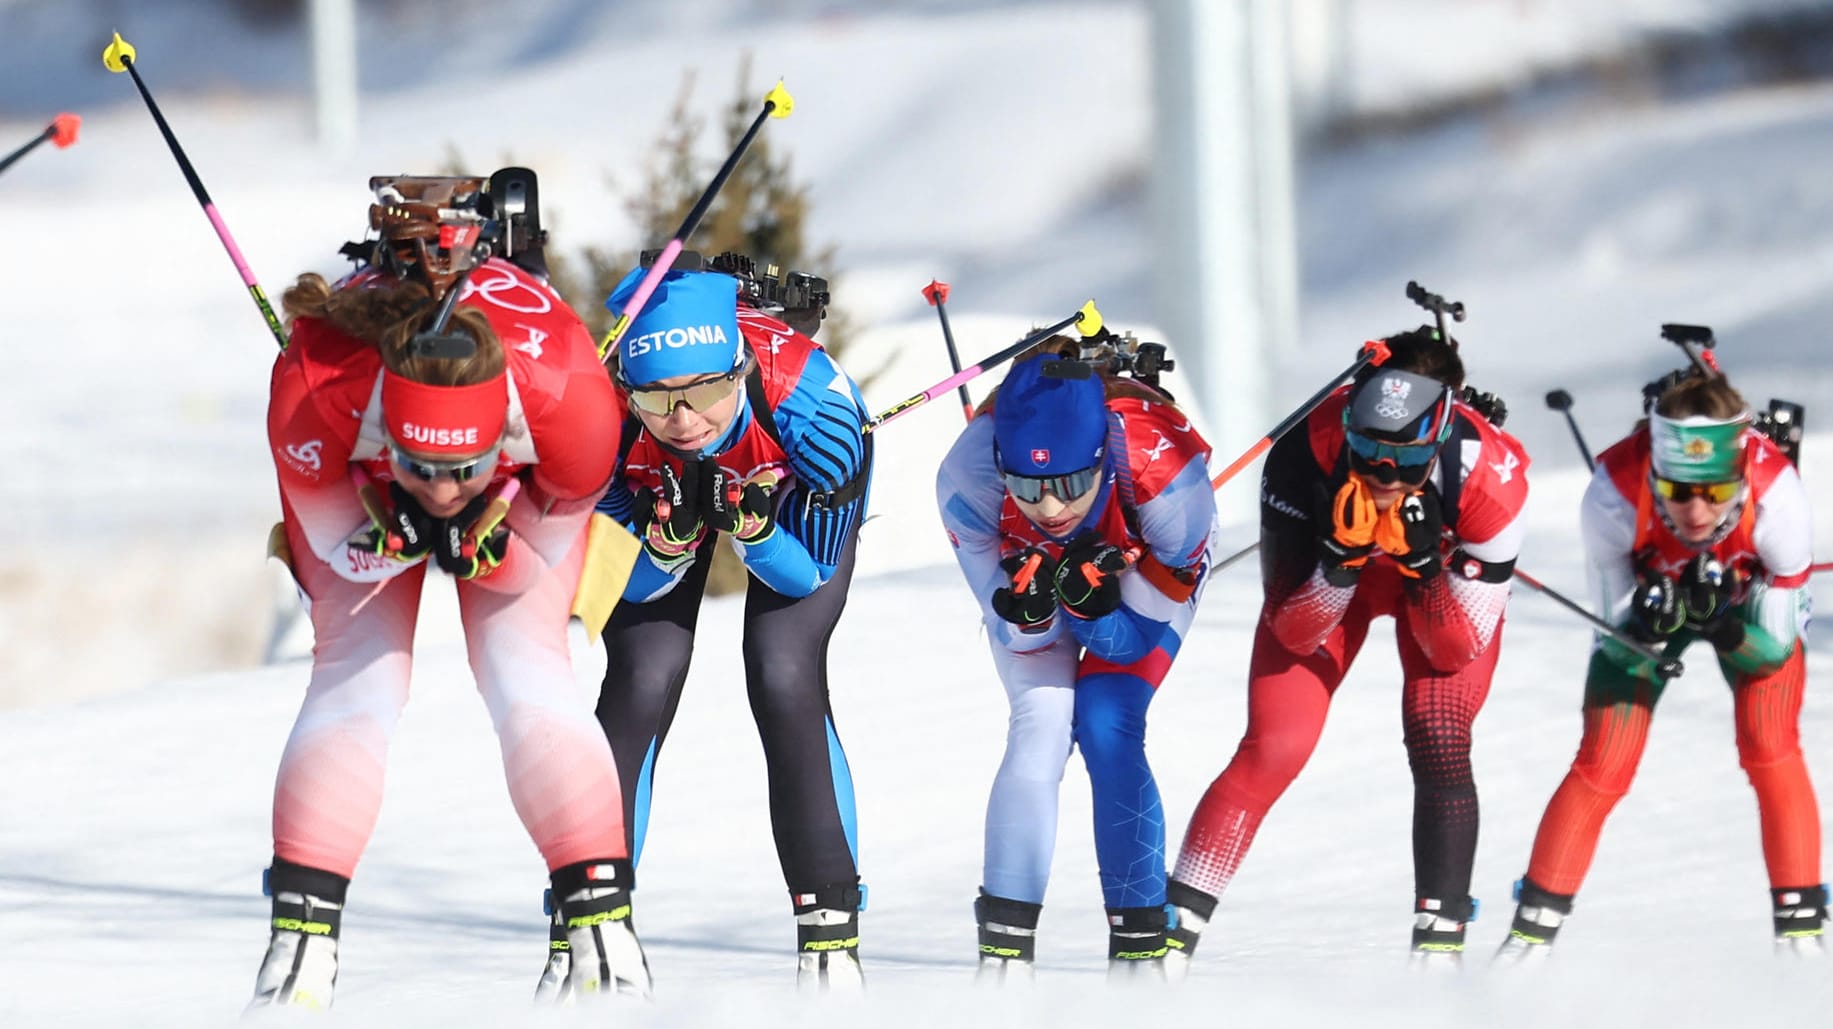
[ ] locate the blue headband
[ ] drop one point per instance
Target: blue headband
(688, 327)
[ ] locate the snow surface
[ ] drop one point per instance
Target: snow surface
(134, 823)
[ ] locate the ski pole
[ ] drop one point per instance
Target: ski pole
(937, 295)
(119, 57)
(61, 131)
(1666, 664)
(777, 104)
(1373, 352)
(1087, 321)
(1561, 401)
(1235, 557)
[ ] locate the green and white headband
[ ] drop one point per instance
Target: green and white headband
(1698, 448)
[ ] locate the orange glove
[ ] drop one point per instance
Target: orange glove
(1352, 523)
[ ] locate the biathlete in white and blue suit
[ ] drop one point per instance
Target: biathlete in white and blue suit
(1080, 510)
(738, 424)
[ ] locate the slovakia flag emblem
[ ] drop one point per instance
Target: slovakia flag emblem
(1040, 457)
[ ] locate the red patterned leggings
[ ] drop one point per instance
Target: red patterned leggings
(1288, 698)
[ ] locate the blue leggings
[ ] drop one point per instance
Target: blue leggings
(1110, 727)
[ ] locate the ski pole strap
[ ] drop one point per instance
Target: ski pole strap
(1177, 584)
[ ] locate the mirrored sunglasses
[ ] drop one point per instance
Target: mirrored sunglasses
(1068, 488)
(1713, 492)
(1411, 455)
(427, 469)
(1387, 463)
(698, 396)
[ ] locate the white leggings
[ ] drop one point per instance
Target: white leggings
(1021, 824)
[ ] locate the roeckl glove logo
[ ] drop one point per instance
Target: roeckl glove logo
(675, 339)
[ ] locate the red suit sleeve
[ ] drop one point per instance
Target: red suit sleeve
(1454, 617)
(320, 386)
(575, 425)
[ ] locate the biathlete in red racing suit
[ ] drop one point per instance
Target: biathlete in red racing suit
(435, 430)
(1395, 499)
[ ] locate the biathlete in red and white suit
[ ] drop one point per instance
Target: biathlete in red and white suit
(1395, 499)
(1082, 516)
(510, 396)
(1695, 528)
(739, 425)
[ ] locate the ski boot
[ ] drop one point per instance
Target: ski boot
(1801, 920)
(1191, 910)
(1538, 915)
(553, 987)
(1438, 932)
(300, 969)
(592, 943)
(1136, 945)
(827, 939)
(1008, 939)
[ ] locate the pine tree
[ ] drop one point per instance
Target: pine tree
(760, 212)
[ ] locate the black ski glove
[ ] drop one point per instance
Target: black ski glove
(1656, 610)
(742, 511)
(1088, 576)
(408, 532)
(1422, 522)
(1706, 589)
(468, 548)
(670, 518)
(1030, 605)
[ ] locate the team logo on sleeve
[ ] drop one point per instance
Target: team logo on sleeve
(1156, 450)
(535, 338)
(304, 457)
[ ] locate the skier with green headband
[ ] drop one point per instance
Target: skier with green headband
(1695, 528)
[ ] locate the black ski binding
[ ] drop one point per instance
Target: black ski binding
(798, 299)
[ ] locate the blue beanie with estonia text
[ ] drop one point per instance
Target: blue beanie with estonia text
(689, 326)
(1045, 425)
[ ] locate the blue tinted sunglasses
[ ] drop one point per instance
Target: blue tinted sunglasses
(1370, 451)
(1068, 488)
